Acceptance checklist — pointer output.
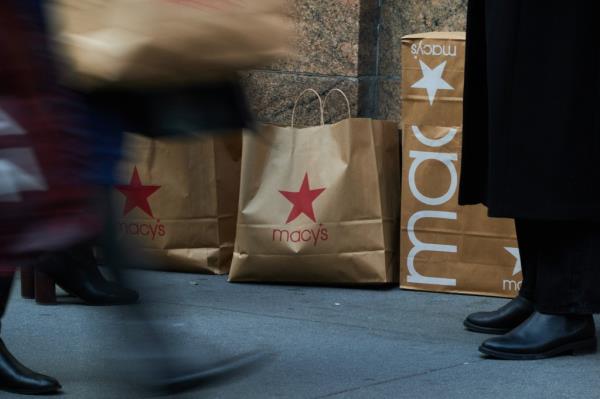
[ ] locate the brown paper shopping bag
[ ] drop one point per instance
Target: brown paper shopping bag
(445, 247)
(319, 204)
(178, 200)
(159, 42)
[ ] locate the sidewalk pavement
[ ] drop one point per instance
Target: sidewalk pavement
(327, 343)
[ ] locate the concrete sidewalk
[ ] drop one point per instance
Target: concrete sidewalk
(328, 343)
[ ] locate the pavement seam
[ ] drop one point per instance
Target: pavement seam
(397, 335)
(404, 377)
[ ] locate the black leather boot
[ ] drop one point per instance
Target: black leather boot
(16, 378)
(543, 336)
(76, 271)
(502, 320)
(84, 255)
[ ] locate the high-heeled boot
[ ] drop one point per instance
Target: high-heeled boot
(76, 271)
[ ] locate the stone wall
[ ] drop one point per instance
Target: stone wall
(350, 44)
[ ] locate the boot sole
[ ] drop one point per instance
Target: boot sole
(48, 391)
(574, 348)
(484, 330)
(90, 302)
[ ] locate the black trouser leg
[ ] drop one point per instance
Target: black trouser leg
(568, 278)
(567, 273)
(6, 280)
(529, 249)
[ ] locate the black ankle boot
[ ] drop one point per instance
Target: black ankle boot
(502, 320)
(543, 336)
(84, 255)
(76, 271)
(16, 378)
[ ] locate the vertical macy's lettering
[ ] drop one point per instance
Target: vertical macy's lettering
(449, 160)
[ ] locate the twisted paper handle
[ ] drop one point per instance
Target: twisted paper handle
(298, 99)
(345, 98)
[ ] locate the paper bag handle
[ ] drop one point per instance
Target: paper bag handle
(298, 99)
(345, 98)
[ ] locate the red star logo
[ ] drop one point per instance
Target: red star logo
(137, 194)
(302, 200)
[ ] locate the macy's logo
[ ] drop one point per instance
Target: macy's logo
(513, 285)
(137, 195)
(446, 50)
(313, 235)
(143, 229)
(302, 201)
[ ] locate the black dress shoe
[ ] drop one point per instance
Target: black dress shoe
(502, 320)
(16, 378)
(543, 336)
(76, 271)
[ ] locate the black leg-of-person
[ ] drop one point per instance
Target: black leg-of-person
(531, 142)
(14, 376)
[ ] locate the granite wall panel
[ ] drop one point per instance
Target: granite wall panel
(351, 44)
(273, 95)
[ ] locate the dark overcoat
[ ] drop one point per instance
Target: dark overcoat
(531, 145)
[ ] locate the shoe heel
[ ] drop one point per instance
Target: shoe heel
(27, 282)
(45, 290)
(585, 347)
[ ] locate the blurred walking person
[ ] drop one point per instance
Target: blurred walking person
(44, 204)
(57, 155)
